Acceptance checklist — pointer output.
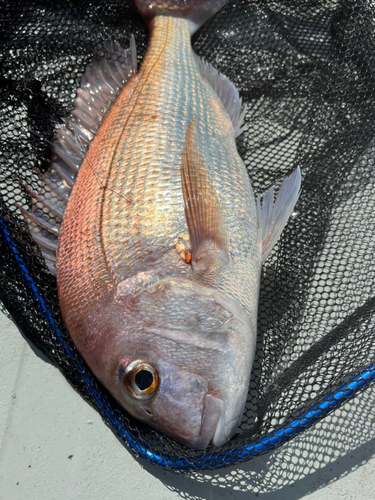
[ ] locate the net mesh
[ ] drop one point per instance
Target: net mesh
(306, 71)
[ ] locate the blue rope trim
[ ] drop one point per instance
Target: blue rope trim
(200, 462)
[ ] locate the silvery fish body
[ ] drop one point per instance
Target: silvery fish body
(161, 243)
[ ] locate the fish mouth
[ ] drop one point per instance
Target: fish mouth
(213, 423)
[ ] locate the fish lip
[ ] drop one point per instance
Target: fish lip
(222, 435)
(213, 416)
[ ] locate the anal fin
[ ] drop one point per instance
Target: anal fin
(205, 220)
(273, 216)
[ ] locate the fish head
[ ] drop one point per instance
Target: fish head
(177, 356)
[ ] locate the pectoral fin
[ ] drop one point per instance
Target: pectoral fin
(273, 216)
(204, 216)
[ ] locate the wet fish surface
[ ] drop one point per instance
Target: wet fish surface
(156, 238)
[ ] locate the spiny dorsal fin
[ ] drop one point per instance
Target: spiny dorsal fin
(273, 216)
(101, 83)
(226, 91)
(204, 216)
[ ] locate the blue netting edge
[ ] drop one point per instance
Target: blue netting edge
(204, 461)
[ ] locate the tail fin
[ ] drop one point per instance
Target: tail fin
(197, 11)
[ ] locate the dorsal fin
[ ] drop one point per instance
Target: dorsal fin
(204, 216)
(226, 91)
(101, 83)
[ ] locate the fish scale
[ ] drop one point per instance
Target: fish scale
(151, 179)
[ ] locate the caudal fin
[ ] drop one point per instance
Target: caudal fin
(197, 11)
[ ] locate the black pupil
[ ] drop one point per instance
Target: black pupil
(143, 379)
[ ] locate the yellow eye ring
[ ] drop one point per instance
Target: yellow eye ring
(140, 379)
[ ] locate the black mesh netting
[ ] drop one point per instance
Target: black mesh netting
(306, 71)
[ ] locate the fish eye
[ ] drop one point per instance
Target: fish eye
(140, 379)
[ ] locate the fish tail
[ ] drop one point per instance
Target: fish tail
(196, 11)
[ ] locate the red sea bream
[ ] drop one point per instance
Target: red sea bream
(154, 233)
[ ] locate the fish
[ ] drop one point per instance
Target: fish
(148, 219)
